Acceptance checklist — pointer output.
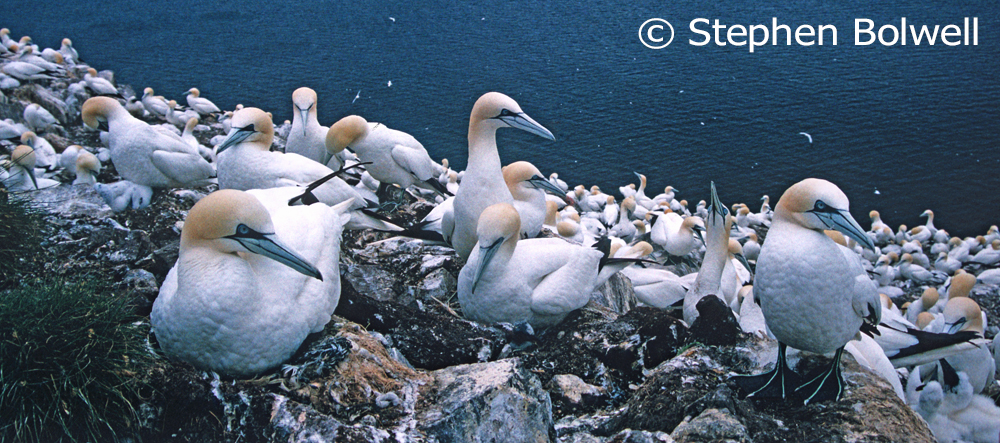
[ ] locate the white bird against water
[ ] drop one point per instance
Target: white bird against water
(528, 187)
(201, 105)
(253, 278)
(307, 137)
(483, 183)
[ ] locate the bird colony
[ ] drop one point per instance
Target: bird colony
(257, 269)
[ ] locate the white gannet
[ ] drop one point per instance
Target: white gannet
(178, 118)
(87, 166)
(143, 155)
(307, 137)
(27, 54)
(964, 314)
(927, 300)
(907, 344)
(38, 118)
(201, 105)
(918, 274)
(245, 162)
(815, 294)
(988, 256)
(123, 194)
(395, 156)
(67, 158)
(21, 176)
(99, 85)
(708, 282)
(528, 187)
(27, 71)
(554, 179)
(538, 281)
(609, 216)
(154, 104)
(751, 248)
(483, 183)
(70, 56)
(624, 228)
(253, 278)
(45, 155)
(5, 39)
(656, 287)
(989, 277)
(675, 234)
(188, 136)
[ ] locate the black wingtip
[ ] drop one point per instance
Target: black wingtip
(438, 187)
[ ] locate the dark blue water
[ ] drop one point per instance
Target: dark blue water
(917, 124)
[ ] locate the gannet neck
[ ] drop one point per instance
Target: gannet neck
(97, 110)
(346, 132)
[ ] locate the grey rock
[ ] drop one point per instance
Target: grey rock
(710, 426)
(73, 201)
(372, 281)
(572, 389)
(486, 402)
(438, 284)
(295, 422)
(616, 294)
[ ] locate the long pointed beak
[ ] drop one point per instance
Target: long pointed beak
(31, 173)
(957, 326)
(716, 209)
(539, 182)
(236, 135)
(304, 113)
(269, 246)
(842, 221)
(523, 122)
(698, 233)
(743, 261)
(486, 254)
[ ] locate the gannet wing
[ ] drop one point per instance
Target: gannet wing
(182, 167)
(414, 161)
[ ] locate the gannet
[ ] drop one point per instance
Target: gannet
(69, 52)
(751, 248)
(538, 281)
(23, 166)
(709, 279)
(143, 155)
(99, 85)
(907, 344)
(554, 179)
(253, 277)
(178, 118)
(201, 105)
(918, 274)
(45, 155)
(964, 314)
(245, 162)
(395, 156)
(5, 37)
(989, 277)
(38, 118)
(188, 136)
(624, 228)
(27, 71)
(926, 301)
(154, 104)
(307, 137)
(988, 256)
(483, 183)
(87, 166)
(677, 235)
(814, 294)
(528, 187)
(123, 194)
(655, 287)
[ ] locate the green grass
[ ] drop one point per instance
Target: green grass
(71, 363)
(20, 221)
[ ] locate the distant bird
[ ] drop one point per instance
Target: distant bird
(807, 136)
(201, 105)
(99, 85)
(39, 118)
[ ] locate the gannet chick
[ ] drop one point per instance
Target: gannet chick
(814, 294)
(99, 85)
(528, 187)
(87, 166)
(538, 281)
(201, 105)
(709, 279)
(246, 162)
(123, 194)
(154, 104)
(143, 155)
(396, 157)
(483, 183)
(254, 276)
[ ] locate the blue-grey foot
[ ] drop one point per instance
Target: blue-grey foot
(776, 383)
(827, 384)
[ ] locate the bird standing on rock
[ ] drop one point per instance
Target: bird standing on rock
(815, 294)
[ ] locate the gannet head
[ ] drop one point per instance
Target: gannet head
(148, 92)
(344, 132)
(495, 110)
(670, 189)
(304, 99)
(818, 204)
(91, 72)
(498, 224)
(250, 125)
(24, 156)
(923, 319)
(29, 138)
(930, 297)
(963, 314)
(628, 206)
(696, 225)
(717, 212)
(928, 213)
(97, 111)
(231, 221)
(642, 180)
(736, 250)
(523, 173)
(85, 161)
(191, 123)
(194, 92)
(4, 32)
(67, 42)
(961, 284)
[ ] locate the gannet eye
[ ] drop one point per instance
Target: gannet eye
(507, 113)
(242, 229)
(820, 206)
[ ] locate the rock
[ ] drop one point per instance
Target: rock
(616, 294)
(716, 325)
(498, 402)
(710, 426)
(142, 284)
(294, 422)
(73, 201)
(426, 339)
(372, 281)
(573, 391)
(439, 285)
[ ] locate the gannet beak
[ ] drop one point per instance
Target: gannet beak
(521, 121)
(304, 113)
(236, 135)
(699, 232)
(743, 261)
(717, 209)
(102, 125)
(31, 173)
(186, 92)
(842, 221)
(486, 254)
(957, 326)
(269, 246)
(539, 182)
